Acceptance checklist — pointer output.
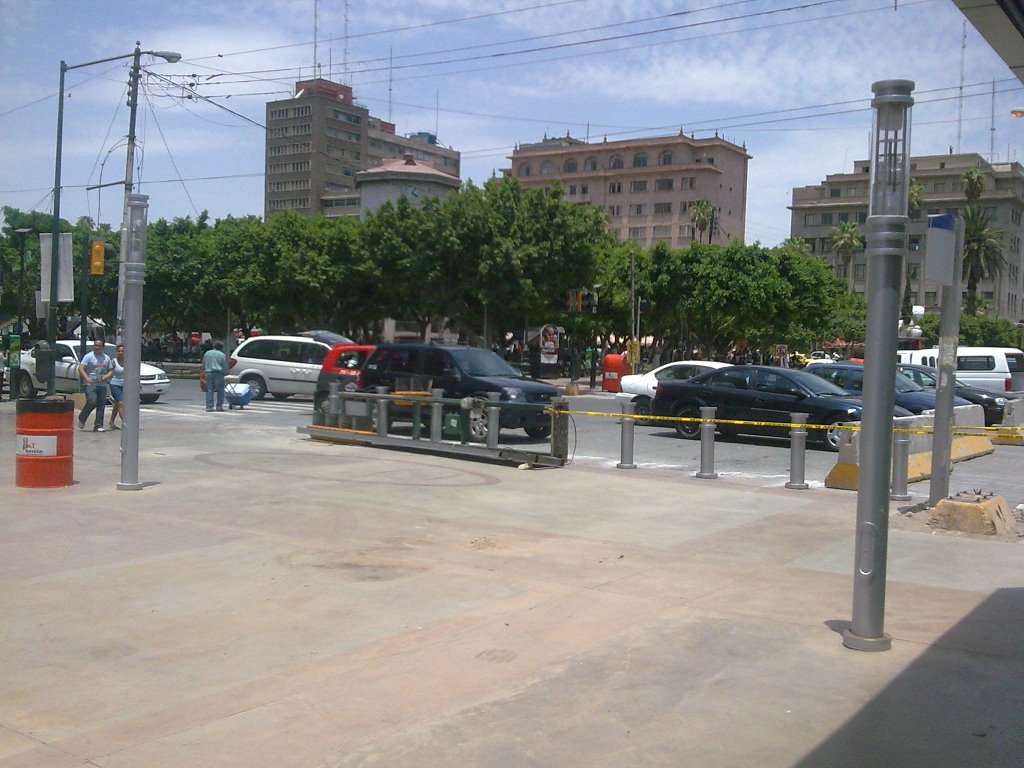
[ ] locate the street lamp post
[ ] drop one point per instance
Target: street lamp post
(23, 231)
(51, 311)
(886, 247)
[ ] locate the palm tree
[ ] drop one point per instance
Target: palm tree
(983, 253)
(974, 184)
(846, 242)
(701, 213)
(914, 196)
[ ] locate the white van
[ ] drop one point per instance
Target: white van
(997, 368)
(277, 365)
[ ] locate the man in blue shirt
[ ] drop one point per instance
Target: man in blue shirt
(95, 371)
(215, 363)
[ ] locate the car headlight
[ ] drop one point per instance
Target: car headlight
(1001, 402)
(511, 393)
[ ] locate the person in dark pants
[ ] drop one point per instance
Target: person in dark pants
(535, 360)
(95, 370)
(215, 364)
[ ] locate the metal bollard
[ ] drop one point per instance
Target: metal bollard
(333, 403)
(436, 415)
(560, 429)
(707, 444)
(628, 428)
(493, 426)
(417, 409)
(797, 451)
(900, 459)
(382, 413)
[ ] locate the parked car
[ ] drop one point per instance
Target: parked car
(460, 372)
(153, 381)
(638, 388)
(1000, 369)
(327, 337)
(850, 376)
(764, 395)
(928, 378)
(341, 364)
(278, 365)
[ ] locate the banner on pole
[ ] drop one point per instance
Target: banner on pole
(65, 270)
(940, 246)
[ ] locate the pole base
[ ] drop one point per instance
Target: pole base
(572, 388)
(706, 475)
(858, 643)
(620, 465)
(797, 486)
(130, 486)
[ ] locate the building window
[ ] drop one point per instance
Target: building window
(688, 182)
(826, 218)
(663, 208)
(636, 209)
(913, 270)
(810, 219)
(862, 217)
(686, 230)
(841, 270)
(638, 185)
(843, 216)
(811, 244)
(590, 164)
(665, 158)
(663, 185)
(547, 168)
(709, 160)
(939, 186)
(615, 188)
(990, 211)
(663, 233)
(524, 169)
(826, 245)
(616, 163)
(572, 190)
(640, 160)
(858, 271)
(931, 298)
(638, 233)
(337, 114)
(835, 192)
(614, 210)
(278, 114)
(571, 165)
(915, 243)
(584, 189)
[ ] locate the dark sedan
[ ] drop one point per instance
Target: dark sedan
(761, 394)
(850, 376)
(927, 378)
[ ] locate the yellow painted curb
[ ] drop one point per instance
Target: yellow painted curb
(919, 465)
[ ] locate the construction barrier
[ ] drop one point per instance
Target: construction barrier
(44, 455)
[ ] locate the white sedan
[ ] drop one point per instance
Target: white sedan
(638, 388)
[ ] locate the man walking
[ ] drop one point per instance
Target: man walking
(215, 363)
(95, 371)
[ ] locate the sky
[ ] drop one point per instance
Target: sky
(789, 79)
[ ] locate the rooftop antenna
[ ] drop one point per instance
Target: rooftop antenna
(960, 109)
(316, 11)
(344, 54)
(992, 130)
(391, 75)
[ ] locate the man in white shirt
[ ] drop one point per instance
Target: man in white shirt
(95, 371)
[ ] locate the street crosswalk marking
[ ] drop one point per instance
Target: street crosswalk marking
(256, 406)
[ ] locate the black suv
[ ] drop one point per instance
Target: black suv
(460, 372)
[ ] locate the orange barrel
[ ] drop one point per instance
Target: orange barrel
(613, 368)
(44, 455)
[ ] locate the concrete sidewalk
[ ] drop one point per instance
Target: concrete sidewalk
(278, 602)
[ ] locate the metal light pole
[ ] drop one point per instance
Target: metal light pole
(134, 270)
(886, 247)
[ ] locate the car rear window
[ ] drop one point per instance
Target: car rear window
(395, 360)
(1015, 363)
(976, 363)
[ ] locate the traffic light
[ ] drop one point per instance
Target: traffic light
(567, 301)
(97, 254)
(587, 303)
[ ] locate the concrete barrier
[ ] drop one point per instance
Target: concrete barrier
(1011, 430)
(919, 461)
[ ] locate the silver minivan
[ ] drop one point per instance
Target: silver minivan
(277, 365)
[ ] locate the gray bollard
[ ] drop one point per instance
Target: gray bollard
(436, 415)
(797, 451)
(900, 459)
(560, 429)
(417, 410)
(707, 444)
(382, 413)
(333, 403)
(493, 426)
(628, 428)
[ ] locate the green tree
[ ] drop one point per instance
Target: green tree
(974, 184)
(983, 253)
(846, 242)
(701, 214)
(914, 193)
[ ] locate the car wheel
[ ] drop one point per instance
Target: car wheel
(833, 436)
(148, 399)
(477, 427)
(538, 433)
(25, 388)
(320, 403)
(257, 385)
(688, 430)
(642, 408)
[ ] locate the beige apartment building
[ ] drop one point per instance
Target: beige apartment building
(318, 140)
(644, 185)
(844, 197)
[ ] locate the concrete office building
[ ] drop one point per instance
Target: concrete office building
(318, 140)
(844, 197)
(644, 185)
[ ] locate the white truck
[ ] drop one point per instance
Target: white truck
(153, 381)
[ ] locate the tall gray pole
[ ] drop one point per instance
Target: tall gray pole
(134, 274)
(129, 184)
(949, 335)
(886, 233)
(51, 308)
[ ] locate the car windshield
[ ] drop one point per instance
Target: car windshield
(482, 362)
(818, 386)
(903, 384)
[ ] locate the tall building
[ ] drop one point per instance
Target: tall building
(318, 140)
(844, 197)
(644, 185)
